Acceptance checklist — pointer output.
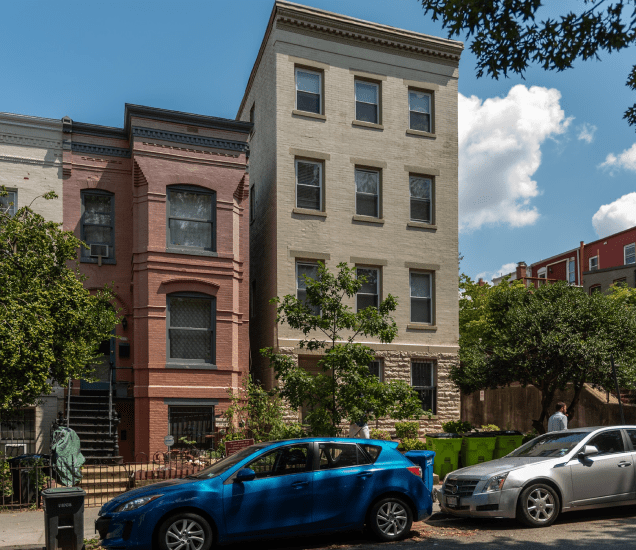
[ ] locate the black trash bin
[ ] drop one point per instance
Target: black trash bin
(26, 487)
(64, 518)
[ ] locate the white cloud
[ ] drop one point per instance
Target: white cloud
(626, 160)
(615, 216)
(503, 270)
(586, 132)
(499, 151)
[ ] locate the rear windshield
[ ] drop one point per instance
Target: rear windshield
(550, 445)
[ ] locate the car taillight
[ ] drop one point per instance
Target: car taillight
(415, 470)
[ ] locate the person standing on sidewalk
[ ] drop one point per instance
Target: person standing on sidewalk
(558, 421)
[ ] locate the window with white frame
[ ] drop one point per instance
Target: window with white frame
(191, 218)
(423, 382)
(304, 271)
(309, 184)
(367, 101)
(191, 324)
(367, 192)
(375, 368)
(420, 111)
(308, 91)
(421, 297)
(594, 263)
(571, 272)
(9, 203)
(420, 188)
(98, 225)
(630, 253)
(369, 293)
(542, 273)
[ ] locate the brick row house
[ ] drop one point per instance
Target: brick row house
(354, 159)
(162, 204)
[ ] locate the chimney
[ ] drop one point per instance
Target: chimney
(480, 282)
(521, 270)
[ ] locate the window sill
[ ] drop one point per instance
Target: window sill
(368, 219)
(424, 417)
(422, 225)
(307, 114)
(191, 251)
(309, 212)
(192, 366)
(107, 261)
(421, 326)
(420, 133)
(364, 124)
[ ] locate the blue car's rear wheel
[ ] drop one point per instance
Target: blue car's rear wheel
(390, 519)
(185, 531)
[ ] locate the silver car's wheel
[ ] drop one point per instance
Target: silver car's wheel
(185, 532)
(390, 519)
(538, 505)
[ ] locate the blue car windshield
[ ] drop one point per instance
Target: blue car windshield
(550, 445)
(226, 463)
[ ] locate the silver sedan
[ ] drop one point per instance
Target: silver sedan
(556, 472)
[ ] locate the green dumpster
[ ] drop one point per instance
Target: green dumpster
(477, 447)
(507, 441)
(446, 447)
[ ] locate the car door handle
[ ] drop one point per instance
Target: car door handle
(365, 475)
(624, 464)
(300, 484)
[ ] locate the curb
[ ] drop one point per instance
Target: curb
(24, 547)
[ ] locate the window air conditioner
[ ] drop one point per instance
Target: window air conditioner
(99, 250)
(15, 449)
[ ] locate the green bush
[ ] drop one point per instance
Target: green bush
(457, 426)
(490, 428)
(6, 483)
(409, 444)
(407, 430)
(529, 436)
(380, 434)
(282, 430)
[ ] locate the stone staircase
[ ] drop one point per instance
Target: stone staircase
(102, 482)
(88, 416)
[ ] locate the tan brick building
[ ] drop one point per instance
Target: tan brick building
(353, 159)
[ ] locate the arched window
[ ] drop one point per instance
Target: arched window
(191, 329)
(191, 220)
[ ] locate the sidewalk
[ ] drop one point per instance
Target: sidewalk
(25, 530)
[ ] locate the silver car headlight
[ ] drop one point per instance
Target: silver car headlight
(495, 483)
(136, 503)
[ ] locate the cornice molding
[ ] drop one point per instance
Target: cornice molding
(91, 149)
(27, 160)
(27, 121)
(188, 139)
(98, 131)
(26, 141)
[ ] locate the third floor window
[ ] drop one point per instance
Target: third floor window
(367, 102)
(420, 190)
(191, 219)
(308, 91)
(368, 193)
(419, 111)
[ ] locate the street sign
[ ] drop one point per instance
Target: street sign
(168, 441)
(232, 447)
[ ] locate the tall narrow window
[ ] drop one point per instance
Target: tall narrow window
(191, 328)
(98, 228)
(308, 91)
(191, 217)
(630, 254)
(594, 263)
(367, 102)
(419, 111)
(367, 193)
(420, 189)
(308, 185)
(423, 382)
(368, 295)
(9, 203)
(421, 306)
(571, 272)
(310, 271)
(375, 368)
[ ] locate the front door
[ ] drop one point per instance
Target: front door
(278, 500)
(103, 367)
(604, 477)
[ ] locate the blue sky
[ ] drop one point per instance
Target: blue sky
(545, 162)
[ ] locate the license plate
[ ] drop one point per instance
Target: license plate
(452, 501)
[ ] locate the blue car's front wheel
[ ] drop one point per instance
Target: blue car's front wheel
(185, 531)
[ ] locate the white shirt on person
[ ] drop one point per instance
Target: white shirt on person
(557, 422)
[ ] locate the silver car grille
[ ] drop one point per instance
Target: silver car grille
(462, 487)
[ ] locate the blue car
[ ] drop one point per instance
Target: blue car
(274, 489)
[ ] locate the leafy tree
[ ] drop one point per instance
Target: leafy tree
(507, 37)
(345, 389)
(50, 325)
(548, 337)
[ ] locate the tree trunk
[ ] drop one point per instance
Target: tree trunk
(547, 395)
(578, 389)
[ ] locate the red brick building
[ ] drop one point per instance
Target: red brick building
(163, 204)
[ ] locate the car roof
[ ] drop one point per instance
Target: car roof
(381, 442)
(590, 429)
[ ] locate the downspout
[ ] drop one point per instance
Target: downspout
(582, 249)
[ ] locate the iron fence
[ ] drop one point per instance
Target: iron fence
(21, 484)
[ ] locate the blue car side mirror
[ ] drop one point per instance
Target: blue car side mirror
(245, 474)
